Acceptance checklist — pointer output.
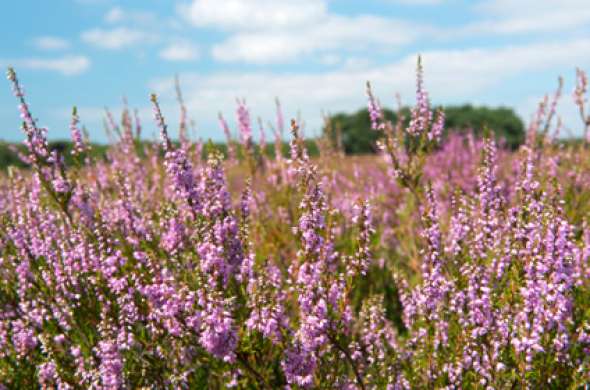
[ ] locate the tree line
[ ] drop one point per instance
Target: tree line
(351, 131)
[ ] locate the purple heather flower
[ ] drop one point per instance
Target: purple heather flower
(421, 115)
(375, 112)
(299, 367)
(47, 374)
(218, 335)
(79, 145)
(244, 124)
(111, 364)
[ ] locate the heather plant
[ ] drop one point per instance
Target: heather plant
(438, 264)
(580, 99)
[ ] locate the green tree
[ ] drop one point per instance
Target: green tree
(503, 121)
(356, 132)
(359, 138)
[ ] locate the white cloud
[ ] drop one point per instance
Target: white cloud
(118, 15)
(417, 2)
(331, 33)
(529, 16)
(180, 51)
(117, 38)
(114, 15)
(509, 7)
(329, 59)
(51, 43)
(281, 31)
(68, 65)
(451, 76)
(92, 2)
(252, 14)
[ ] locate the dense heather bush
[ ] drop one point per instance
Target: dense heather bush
(431, 266)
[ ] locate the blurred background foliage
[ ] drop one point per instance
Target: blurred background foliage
(358, 138)
(351, 131)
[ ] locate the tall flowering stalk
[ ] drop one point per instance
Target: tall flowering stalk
(278, 131)
(375, 112)
(36, 137)
(542, 122)
(580, 99)
(48, 165)
(76, 134)
(262, 142)
(231, 147)
(322, 279)
(244, 123)
(245, 133)
(406, 147)
(177, 165)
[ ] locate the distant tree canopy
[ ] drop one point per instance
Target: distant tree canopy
(358, 138)
(355, 132)
(9, 156)
(503, 121)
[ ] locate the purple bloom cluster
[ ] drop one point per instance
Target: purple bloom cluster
(451, 264)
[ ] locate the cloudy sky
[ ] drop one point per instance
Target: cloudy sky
(315, 55)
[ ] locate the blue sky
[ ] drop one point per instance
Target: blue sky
(315, 55)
